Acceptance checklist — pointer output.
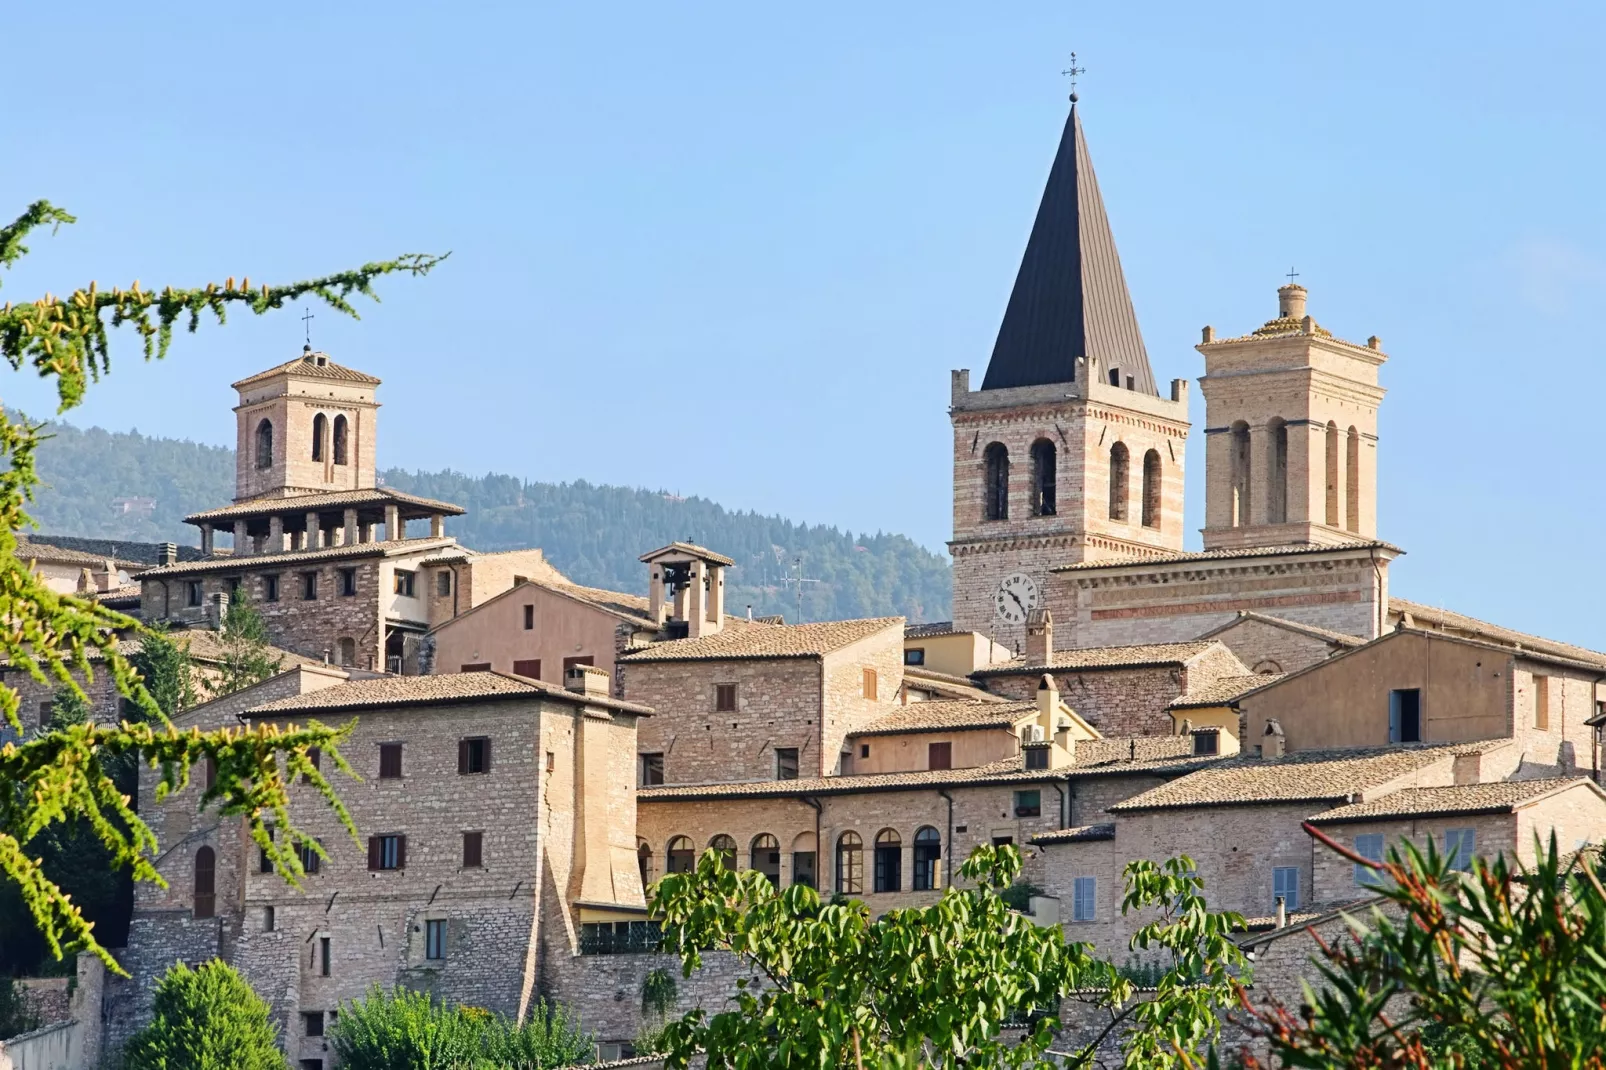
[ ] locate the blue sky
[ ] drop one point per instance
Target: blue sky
(734, 249)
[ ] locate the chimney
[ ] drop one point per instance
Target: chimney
(106, 579)
(588, 680)
(1275, 744)
(1291, 302)
(1051, 747)
(1048, 704)
(86, 581)
(167, 553)
(217, 610)
(1039, 637)
(1282, 912)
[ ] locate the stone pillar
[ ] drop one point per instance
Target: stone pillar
(697, 603)
(437, 526)
(242, 540)
(350, 536)
(314, 536)
(275, 534)
(393, 524)
(206, 543)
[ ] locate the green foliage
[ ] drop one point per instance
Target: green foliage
(165, 668)
(205, 1019)
(246, 659)
(404, 1030)
(69, 773)
(15, 1017)
(1018, 896)
(658, 992)
(934, 986)
(1499, 967)
(68, 706)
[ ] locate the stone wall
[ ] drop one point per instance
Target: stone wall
(1266, 647)
(847, 706)
(1117, 702)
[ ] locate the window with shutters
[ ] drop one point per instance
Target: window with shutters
(390, 761)
(725, 698)
(1084, 899)
(652, 770)
(785, 763)
(1285, 886)
(869, 685)
(529, 668)
(529, 618)
(473, 850)
(1028, 803)
(474, 755)
(205, 883)
(1369, 847)
(940, 755)
(435, 938)
(388, 851)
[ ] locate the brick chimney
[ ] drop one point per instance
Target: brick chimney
(588, 680)
(217, 610)
(1039, 637)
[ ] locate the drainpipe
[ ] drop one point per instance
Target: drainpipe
(1061, 793)
(948, 855)
(819, 848)
(456, 587)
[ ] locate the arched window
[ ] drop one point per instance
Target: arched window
(1044, 467)
(265, 444)
(888, 861)
(681, 857)
(205, 883)
(1332, 474)
(850, 864)
(1151, 489)
(765, 856)
(995, 485)
(340, 440)
(928, 853)
(320, 431)
(1277, 478)
(1120, 477)
(726, 848)
(1352, 487)
(1239, 447)
(348, 650)
(644, 862)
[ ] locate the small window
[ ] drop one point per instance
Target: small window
(1459, 845)
(529, 618)
(1285, 886)
(348, 583)
(311, 1064)
(443, 583)
(1207, 741)
(652, 770)
(915, 656)
(309, 586)
(473, 850)
(785, 763)
(435, 938)
(264, 860)
(551, 761)
(269, 920)
(270, 588)
(474, 755)
(313, 1021)
(390, 761)
(1405, 716)
(725, 698)
(1370, 847)
(869, 685)
(1028, 803)
(404, 582)
(1037, 757)
(387, 852)
(311, 860)
(209, 776)
(529, 668)
(192, 592)
(864, 750)
(1084, 896)
(1003, 841)
(324, 955)
(940, 755)
(46, 711)
(476, 666)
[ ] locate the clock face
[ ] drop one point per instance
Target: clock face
(1016, 597)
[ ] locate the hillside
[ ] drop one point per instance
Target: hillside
(123, 485)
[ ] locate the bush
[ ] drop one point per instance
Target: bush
(15, 1017)
(402, 1030)
(205, 1019)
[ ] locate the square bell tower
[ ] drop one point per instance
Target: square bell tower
(304, 427)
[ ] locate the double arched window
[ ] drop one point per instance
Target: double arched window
(681, 857)
(1044, 468)
(1120, 480)
(264, 445)
(928, 856)
(340, 440)
(320, 430)
(850, 864)
(205, 883)
(765, 856)
(995, 482)
(888, 861)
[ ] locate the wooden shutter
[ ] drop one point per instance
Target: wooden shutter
(870, 684)
(530, 668)
(205, 883)
(462, 757)
(473, 848)
(401, 852)
(940, 755)
(373, 852)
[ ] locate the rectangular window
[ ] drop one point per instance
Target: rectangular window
(869, 685)
(725, 698)
(387, 852)
(270, 588)
(803, 868)
(529, 618)
(1285, 886)
(1003, 841)
(889, 867)
(1405, 716)
(311, 1064)
(476, 666)
(404, 582)
(1037, 757)
(864, 750)
(1207, 741)
(1084, 890)
(309, 586)
(528, 667)
(652, 770)
(45, 711)
(311, 860)
(914, 656)
(443, 583)
(785, 763)
(1542, 703)
(314, 1023)
(940, 755)
(473, 850)
(348, 582)
(1459, 845)
(192, 592)
(551, 761)
(324, 955)
(474, 755)
(268, 919)
(435, 938)
(1370, 847)
(1028, 803)
(390, 761)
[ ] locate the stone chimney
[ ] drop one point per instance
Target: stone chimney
(86, 581)
(1282, 912)
(1273, 744)
(217, 610)
(1039, 637)
(167, 552)
(1291, 301)
(588, 680)
(1051, 746)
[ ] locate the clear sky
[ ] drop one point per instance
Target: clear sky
(734, 249)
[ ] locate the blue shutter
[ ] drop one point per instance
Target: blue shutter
(1394, 716)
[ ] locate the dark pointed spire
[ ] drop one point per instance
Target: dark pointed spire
(1070, 298)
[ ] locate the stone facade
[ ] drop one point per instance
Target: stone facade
(288, 400)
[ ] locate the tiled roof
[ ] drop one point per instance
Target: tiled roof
(1223, 691)
(1171, 752)
(1104, 657)
(119, 596)
(339, 499)
(30, 548)
(124, 550)
(1430, 618)
(942, 683)
(203, 645)
(1500, 797)
(939, 716)
(1340, 638)
(269, 562)
(633, 607)
(304, 365)
(1207, 556)
(388, 691)
(1081, 834)
(691, 549)
(931, 630)
(1305, 776)
(767, 641)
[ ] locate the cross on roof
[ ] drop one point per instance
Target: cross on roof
(1292, 274)
(306, 319)
(1071, 72)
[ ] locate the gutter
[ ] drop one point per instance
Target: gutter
(948, 855)
(819, 848)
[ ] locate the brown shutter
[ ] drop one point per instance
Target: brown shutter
(462, 757)
(373, 852)
(473, 843)
(401, 852)
(530, 668)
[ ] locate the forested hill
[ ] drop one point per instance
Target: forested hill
(116, 485)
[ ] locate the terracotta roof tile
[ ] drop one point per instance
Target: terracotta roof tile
(1430, 618)
(1499, 797)
(937, 716)
(304, 366)
(32, 549)
(1081, 834)
(268, 562)
(390, 691)
(931, 630)
(1340, 638)
(766, 641)
(1224, 690)
(339, 499)
(1207, 556)
(946, 685)
(691, 549)
(1105, 657)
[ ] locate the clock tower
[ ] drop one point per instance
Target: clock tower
(1068, 452)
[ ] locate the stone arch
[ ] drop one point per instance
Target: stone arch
(1045, 468)
(995, 482)
(320, 431)
(850, 864)
(681, 856)
(764, 855)
(264, 444)
(928, 859)
(1120, 479)
(205, 883)
(340, 439)
(888, 861)
(725, 847)
(1152, 473)
(1238, 446)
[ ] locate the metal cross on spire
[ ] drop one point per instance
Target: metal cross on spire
(306, 320)
(1071, 72)
(1292, 274)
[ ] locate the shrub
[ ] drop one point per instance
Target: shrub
(205, 1019)
(15, 1017)
(403, 1030)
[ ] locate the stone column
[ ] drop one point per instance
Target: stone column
(206, 540)
(437, 526)
(275, 534)
(242, 540)
(314, 536)
(393, 524)
(349, 537)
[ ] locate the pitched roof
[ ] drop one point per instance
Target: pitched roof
(1430, 618)
(766, 641)
(948, 715)
(1223, 691)
(391, 691)
(31, 548)
(339, 499)
(1328, 634)
(202, 644)
(1501, 797)
(1080, 834)
(689, 548)
(1207, 556)
(949, 686)
(1306, 776)
(307, 365)
(1070, 298)
(931, 630)
(268, 562)
(631, 607)
(1104, 657)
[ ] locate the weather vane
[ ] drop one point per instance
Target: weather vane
(306, 319)
(1071, 72)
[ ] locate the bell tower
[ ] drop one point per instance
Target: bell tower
(1068, 452)
(304, 427)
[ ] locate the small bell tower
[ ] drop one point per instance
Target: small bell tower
(306, 426)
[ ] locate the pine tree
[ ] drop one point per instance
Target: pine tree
(207, 1018)
(246, 657)
(165, 668)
